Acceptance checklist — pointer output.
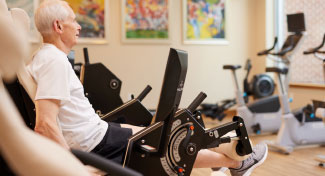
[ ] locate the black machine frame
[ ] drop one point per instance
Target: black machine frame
(169, 146)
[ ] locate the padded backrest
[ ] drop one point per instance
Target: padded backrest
(4, 9)
(12, 50)
(21, 19)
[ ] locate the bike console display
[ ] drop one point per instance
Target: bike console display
(296, 22)
(169, 146)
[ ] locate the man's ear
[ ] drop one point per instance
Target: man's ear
(57, 26)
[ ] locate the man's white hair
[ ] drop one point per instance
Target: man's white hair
(48, 12)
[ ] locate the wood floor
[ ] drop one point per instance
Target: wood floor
(299, 163)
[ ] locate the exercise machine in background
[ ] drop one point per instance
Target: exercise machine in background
(320, 113)
(319, 105)
(318, 54)
(300, 127)
(263, 115)
(102, 88)
(260, 86)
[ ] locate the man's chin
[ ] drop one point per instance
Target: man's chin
(76, 40)
(73, 43)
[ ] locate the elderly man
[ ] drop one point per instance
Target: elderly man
(65, 115)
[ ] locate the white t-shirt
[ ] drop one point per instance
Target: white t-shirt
(82, 128)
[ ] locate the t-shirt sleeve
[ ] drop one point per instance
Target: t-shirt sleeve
(53, 80)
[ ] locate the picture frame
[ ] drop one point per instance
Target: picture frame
(29, 6)
(92, 16)
(204, 22)
(146, 22)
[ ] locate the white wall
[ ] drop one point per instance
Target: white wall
(140, 64)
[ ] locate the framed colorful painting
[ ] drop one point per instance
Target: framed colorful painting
(204, 22)
(145, 21)
(92, 16)
(29, 6)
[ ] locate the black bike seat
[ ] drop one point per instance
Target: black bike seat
(277, 70)
(231, 67)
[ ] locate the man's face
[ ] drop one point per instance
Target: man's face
(71, 30)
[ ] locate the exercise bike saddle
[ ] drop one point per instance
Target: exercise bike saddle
(231, 67)
(277, 70)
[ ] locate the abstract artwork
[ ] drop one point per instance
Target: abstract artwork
(145, 21)
(204, 22)
(91, 15)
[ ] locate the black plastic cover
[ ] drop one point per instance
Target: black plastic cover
(277, 70)
(264, 105)
(102, 88)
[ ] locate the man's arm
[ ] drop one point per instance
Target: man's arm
(47, 111)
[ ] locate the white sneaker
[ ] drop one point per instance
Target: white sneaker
(256, 158)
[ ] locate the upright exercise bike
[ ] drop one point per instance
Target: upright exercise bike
(261, 86)
(319, 105)
(294, 131)
(262, 116)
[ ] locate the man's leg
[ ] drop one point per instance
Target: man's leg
(210, 159)
(205, 159)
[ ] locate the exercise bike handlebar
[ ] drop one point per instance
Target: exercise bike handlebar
(283, 51)
(196, 102)
(103, 164)
(144, 93)
(265, 52)
(316, 50)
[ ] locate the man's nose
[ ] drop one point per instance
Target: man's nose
(79, 27)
